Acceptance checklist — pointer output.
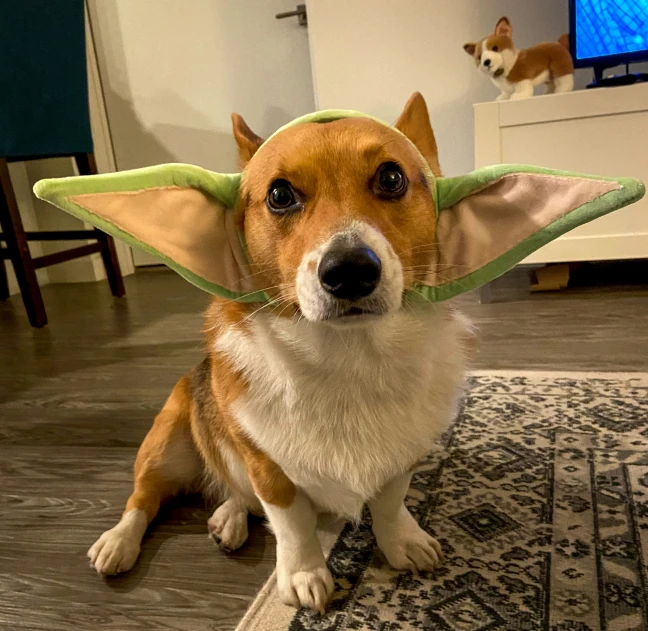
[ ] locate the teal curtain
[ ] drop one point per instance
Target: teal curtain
(43, 79)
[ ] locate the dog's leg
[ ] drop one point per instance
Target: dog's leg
(228, 526)
(403, 542)
(564, 83)
(503, 96)
(303, 579)
(523, 90)
(166, 463)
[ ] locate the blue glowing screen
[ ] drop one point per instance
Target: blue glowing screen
(610, 27)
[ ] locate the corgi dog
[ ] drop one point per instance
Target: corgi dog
(517, 72)
(325, 398)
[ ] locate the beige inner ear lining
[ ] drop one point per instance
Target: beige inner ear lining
(494, 219)
(184, 224)
(198, 233)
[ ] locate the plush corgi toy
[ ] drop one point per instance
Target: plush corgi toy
(517, 72)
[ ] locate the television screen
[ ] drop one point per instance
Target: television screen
(610, 27)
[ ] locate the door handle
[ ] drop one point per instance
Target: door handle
(299, 13)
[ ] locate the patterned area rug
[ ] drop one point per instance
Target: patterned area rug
(540, 500)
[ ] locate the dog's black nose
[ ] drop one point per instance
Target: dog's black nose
(350, 273)
(487, 62)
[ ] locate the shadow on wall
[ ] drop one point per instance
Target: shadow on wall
(273, 118)
(138, 146)
(134, 144)
(200, 137)
(165, 143)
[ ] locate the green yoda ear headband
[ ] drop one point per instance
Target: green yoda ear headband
(487, 221)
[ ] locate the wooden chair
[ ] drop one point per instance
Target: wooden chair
(44, 114)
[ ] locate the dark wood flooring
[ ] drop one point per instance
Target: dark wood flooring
(77, 397)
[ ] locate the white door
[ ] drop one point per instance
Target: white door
(172, 72)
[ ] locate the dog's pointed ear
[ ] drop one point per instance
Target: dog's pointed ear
(470, 48)
(414, 122)
(490, 220)
(248, 142)
(503, 27)
(182, 214)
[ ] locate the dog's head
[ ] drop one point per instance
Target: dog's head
(339, 219)
(494, 55)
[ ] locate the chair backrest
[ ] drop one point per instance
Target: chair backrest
(43, 79)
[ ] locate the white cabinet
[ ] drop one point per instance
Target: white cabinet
(602, 131)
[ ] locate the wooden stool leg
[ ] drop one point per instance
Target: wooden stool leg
(14, 235)
(87, 166)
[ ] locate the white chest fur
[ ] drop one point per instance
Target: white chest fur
(508, 88)
(504, 85)
(344, 410)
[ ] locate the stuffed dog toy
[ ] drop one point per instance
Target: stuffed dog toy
(517, 72)
(334, 361)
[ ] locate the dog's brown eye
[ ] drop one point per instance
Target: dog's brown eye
(495, 49)
(282, 197)
(391, 180)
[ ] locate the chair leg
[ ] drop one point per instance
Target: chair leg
(87, 166)
(4, 281)
(486, 294)
(14, 235)
(111, 263)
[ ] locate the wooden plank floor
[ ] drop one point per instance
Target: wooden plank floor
(77, 397)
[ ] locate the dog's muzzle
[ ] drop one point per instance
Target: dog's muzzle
(351, 278)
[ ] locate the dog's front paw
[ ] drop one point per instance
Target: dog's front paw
(418, 552)
(311, 589)
(409, 547)
(502, 97)
(114, 552)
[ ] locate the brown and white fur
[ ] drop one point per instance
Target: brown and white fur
(312, 402)
(517, 72)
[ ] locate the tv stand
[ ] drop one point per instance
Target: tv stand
(587, 131)
(616, 80)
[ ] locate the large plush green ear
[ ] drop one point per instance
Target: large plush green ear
(492, 219)
(180, 213)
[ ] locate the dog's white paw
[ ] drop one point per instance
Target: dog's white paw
(409, 547)
(228, 526)
(311, 589)
(115, 551)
